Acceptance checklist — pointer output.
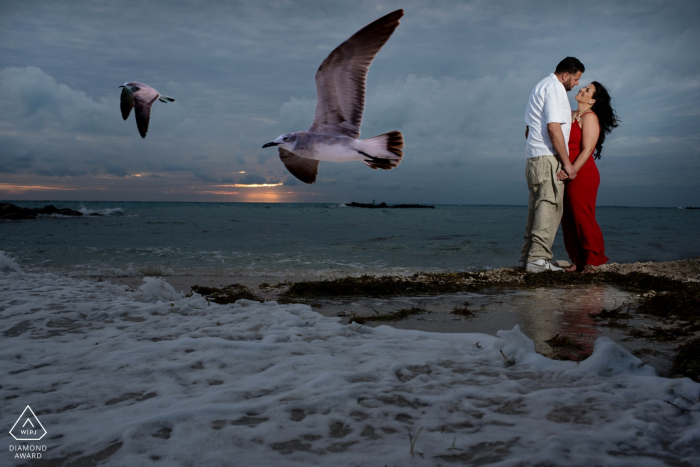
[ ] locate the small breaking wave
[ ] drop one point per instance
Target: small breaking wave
(101, 212)
(8, 264)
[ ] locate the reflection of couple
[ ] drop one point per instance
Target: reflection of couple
(561, 174)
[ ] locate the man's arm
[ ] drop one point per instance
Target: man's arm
(557, 138)
(527, 130)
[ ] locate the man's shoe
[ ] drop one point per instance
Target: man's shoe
(541, 265)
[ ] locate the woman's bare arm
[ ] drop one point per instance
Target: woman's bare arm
(590, 129)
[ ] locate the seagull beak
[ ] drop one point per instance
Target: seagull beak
(270, 144)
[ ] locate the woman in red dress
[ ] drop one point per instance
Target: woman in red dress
(591, 122)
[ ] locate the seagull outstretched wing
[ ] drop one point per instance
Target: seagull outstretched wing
(302, 168)
(341, 78)
(143, 101)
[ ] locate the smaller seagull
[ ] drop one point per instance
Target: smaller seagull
(340, 87)
(142, 97)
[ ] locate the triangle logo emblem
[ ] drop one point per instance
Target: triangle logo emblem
(28, 427)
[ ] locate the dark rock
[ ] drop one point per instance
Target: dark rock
(385, 206)
(12, 212)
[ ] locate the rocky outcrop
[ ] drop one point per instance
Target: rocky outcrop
(12, 212)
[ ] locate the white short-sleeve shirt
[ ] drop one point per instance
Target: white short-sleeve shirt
(548, 103)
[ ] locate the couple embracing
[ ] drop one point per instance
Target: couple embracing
(561, 173)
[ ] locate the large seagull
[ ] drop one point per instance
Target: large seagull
(340, 88)
(140, 96)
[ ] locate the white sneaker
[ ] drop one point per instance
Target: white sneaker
(541, 265)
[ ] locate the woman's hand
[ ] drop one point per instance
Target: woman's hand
(561, 175)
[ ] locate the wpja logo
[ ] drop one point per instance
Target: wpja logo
(28, 428)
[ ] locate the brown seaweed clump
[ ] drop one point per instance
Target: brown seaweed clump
(227, 294)
(397, 316)
(462, 310)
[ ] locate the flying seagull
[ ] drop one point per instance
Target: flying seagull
(142, 97)
(340, 88)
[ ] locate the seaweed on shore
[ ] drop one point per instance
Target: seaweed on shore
(227, 294)
(679, 302)
(443, 283)
(397, 316)
(372, 286)
(615, 313)
(462, 310)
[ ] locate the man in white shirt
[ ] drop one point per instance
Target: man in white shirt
(548, 120)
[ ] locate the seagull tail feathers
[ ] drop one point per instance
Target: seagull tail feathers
(383, 151)
(166, 99)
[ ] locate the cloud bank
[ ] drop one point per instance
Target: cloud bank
(454, 79)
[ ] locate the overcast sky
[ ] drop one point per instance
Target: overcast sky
(454, 78)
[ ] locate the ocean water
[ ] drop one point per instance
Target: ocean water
(312, 240)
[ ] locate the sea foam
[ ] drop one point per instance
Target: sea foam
(154, 373)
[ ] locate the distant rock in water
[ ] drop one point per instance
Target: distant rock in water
(12, 212)
(385, 206)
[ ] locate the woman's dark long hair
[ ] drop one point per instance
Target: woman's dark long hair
(607, 117)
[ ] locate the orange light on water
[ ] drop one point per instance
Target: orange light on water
(270, 197)
(219, 192)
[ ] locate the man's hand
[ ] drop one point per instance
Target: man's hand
(527, 131)
(559, 143)
(570, 171)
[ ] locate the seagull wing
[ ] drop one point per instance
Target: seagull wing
(143, 101)
(127, 103)
(302, 168)
(341, 78)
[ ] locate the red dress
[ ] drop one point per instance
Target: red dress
(583, 238)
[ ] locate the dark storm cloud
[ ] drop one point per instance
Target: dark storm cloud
(454, 78)
(59, 171)
(115, 169)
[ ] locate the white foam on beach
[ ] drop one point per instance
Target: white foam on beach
(153, 374)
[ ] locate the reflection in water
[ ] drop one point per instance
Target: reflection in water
(566, 312)
(541, 314)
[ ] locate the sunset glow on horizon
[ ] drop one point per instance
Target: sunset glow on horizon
(252, 185)
(23, 188)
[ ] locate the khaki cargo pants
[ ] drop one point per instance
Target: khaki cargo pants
(544, 208)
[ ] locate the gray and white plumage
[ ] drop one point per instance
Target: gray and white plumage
(340, 87)
(141, 97)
